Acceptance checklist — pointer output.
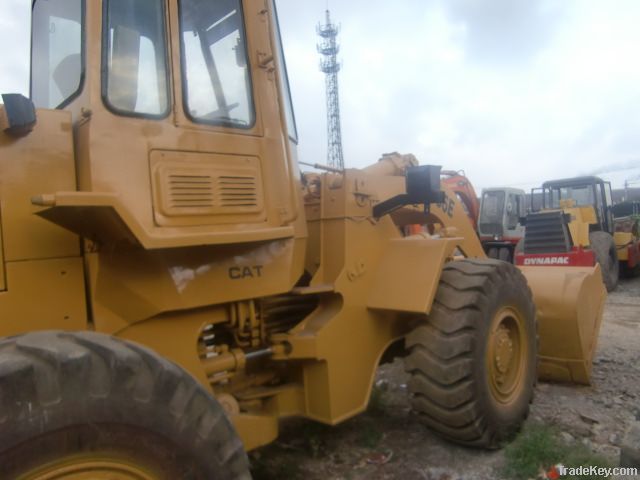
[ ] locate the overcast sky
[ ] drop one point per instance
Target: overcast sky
(514, 92)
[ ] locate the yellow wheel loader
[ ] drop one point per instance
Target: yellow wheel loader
(577, 223)
(171, 285)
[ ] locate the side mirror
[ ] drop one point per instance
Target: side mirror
(423, 184)
(18, 116)
(423, 187)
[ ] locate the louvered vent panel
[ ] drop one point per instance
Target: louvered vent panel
(237, 191)
(191, 191)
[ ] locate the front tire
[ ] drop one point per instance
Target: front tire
(473, 360)
(90, 404)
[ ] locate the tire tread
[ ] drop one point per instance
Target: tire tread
(49, 368)
(441, 352)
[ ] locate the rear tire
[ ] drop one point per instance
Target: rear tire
(473, 360)
(604, 248)
(80, 403)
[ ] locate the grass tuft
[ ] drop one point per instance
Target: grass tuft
(538, 447)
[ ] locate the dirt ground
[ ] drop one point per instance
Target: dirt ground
(389, 442)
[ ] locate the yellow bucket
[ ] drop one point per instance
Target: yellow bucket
(569, 303)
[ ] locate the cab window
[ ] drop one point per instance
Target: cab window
(582, 195)
(215, 71)
(57, 60)
(285, 89)
(492, 208)
(135, 80)
(513, 211)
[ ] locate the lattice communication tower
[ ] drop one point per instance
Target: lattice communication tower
(329, 48)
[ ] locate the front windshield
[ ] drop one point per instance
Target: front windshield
(56, 59)
(582, 195)
(215, 67)
(491, 212)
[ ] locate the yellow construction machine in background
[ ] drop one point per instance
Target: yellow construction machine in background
(172, 286)
(576, 219)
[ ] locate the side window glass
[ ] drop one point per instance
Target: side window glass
(538, 199)
(284, 83)
(56, 59)
(597, 190)
(598, 194)
(136, 77)
(512, 212)
(608, 207)
(607, 192)
(215, 72)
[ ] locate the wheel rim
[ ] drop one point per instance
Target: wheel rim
(93, 467)
(506, 355)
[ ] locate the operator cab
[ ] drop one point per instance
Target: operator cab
(500, 212)
(182, 119)
(586, 191)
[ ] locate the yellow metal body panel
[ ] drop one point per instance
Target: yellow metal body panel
(413, 289)
(581, 218)
(43, 295)
(40, 161)
(130, 286)
(173, 335)
(255, 430)
(569, 303)
(3, 279)
(104, 218)
(376, 276)
(626, 241)
(623, 240)
(42, 270)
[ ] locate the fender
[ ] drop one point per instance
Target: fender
(408, 275)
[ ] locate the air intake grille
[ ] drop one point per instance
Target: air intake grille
(196, 189)
(547, 232)
(191, 191)
(237, 191)
(204, 193)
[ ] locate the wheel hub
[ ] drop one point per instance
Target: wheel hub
(503, 349)
(506, 355)
(89, 469)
